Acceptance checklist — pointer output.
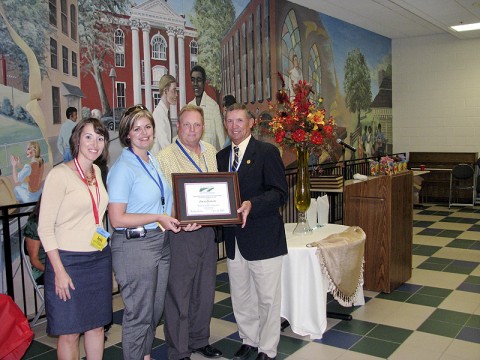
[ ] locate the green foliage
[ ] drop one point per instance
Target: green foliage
(357, 84)
(95, 29)
(96, 26)
(6, 108)
(212, 19)
(29, 18)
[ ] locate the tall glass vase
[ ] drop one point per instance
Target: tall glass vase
(302, 192)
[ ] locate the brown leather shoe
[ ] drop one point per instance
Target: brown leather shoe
(244, 352)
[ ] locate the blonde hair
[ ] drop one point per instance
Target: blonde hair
(36, 147)
(165, 82)
(193, 108)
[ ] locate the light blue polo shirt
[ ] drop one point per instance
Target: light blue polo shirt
(129, 183)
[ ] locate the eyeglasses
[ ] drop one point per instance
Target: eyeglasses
(134, 109)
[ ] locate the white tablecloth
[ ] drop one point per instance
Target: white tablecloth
(304, 286)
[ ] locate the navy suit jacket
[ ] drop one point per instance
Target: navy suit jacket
(262, 180)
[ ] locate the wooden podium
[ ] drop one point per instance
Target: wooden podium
(382, 207)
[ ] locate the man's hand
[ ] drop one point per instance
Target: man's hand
(191, 227)
(244, 209)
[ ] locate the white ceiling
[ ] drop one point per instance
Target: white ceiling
(403, 18)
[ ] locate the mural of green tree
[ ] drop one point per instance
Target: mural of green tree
(95, 31)
(358, 93)
(212, 19)
(33, 31)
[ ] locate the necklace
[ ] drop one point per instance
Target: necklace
(91, 179)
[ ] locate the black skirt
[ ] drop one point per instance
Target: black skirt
(90, 305)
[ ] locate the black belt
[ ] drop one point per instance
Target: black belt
(135, 233)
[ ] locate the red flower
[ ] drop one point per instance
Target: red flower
(317, 138)
(299, 135)
(279, 135)
(328, 129)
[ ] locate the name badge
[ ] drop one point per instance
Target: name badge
(99, 239)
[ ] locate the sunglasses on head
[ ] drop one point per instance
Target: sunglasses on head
(134, 109)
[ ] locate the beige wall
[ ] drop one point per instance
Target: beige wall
(55, 77)
(436, 94)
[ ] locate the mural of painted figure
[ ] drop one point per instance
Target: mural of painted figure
(295, 74)
(28, 178)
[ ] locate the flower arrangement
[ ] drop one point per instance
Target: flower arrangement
(301, 122)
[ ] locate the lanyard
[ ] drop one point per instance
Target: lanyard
(94, 206)
(190, 158)
(159, 182)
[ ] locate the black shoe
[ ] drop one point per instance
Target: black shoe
(244, 352)
(209, 351)
(185, 358)
(263, 356)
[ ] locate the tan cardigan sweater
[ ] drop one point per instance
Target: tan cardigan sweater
(66, 220)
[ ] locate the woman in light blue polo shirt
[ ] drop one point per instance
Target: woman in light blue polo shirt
(140, 204)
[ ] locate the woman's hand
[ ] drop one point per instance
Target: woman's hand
(14, 161)
(191, 227)
(63, 284)
(169, 223)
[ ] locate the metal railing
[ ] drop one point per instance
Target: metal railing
(14, 217)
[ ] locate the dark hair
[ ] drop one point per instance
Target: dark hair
(70, 111)
(128, 120)
(99, 129)
(200, 69)
(229, 100)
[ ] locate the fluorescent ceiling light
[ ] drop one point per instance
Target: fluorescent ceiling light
(466, 27)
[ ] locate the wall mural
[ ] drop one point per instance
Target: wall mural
(348, 66)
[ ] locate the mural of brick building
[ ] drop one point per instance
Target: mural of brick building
(150, 42)
(271, 37)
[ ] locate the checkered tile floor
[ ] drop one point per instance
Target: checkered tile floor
(435, 315)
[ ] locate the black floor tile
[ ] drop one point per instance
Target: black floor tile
(37, 348)
(422, 223)
(340, 339)
(450, 233)
(430, 232)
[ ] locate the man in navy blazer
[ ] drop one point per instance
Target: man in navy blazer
(255, 248)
